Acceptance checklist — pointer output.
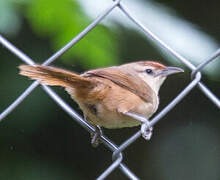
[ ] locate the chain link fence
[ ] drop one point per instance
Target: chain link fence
(117, 156)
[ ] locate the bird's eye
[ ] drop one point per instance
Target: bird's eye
(148, 71)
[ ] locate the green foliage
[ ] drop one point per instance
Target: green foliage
(61, 21)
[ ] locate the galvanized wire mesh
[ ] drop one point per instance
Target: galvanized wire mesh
(117, 150)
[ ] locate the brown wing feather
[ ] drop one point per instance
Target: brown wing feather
(125, 80)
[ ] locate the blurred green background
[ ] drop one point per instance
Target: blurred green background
(38, 140)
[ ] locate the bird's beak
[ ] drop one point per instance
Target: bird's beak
(169, 70)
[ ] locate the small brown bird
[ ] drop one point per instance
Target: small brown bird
(111, 97)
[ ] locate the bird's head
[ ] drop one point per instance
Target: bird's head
(153, 73)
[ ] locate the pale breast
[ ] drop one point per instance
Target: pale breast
(109, 112)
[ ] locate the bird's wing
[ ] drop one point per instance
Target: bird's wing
(128, 81)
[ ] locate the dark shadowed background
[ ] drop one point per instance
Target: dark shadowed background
(38, 140)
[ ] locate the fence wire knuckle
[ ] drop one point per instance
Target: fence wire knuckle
(206, 62)
(111, 168)
(117, 156)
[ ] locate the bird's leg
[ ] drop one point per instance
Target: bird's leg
(146, 130)
(95, 136)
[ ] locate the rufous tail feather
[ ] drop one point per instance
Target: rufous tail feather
(54, 76)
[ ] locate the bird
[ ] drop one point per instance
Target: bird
(110, 97)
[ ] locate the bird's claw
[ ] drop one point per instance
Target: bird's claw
(146, 130)
(95, 136)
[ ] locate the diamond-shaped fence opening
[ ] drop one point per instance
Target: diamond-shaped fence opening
(117, 150)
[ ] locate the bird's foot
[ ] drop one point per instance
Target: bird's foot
(95, 136)
(146, 129)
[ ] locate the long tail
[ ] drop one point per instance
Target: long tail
(54, 76)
